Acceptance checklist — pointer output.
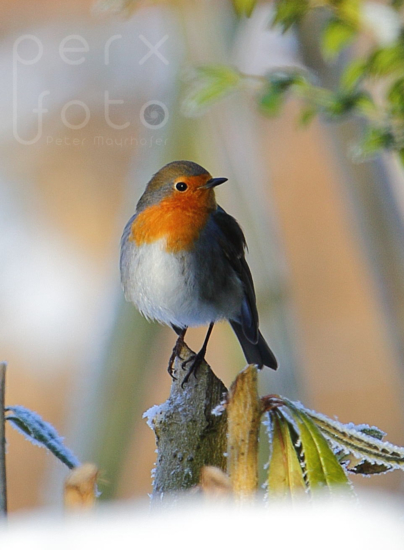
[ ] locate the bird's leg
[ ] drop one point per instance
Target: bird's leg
(198, 358)
(176, 349)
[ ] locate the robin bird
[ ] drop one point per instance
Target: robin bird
(182, 262)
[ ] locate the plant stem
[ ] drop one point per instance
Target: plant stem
(244, 410)
(3, 478)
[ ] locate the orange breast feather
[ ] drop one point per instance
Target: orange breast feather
(179, 221)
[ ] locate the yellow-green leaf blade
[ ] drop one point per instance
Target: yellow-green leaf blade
(285, 475)
(322, 467)
(244, 7)
(337, 35)
(210, 83)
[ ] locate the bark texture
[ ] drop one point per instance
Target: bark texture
(188, 435)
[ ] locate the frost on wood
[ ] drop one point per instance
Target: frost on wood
(188, 435)
(40, 433)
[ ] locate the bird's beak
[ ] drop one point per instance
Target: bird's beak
(213, 182)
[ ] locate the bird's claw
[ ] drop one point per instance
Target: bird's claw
(170, 368)
(175, 353)
(185, 362)
(196, 363)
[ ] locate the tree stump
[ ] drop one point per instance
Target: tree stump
(189, 435)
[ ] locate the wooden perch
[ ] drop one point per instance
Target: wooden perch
(188, 435)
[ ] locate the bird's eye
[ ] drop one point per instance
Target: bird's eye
(181, 186)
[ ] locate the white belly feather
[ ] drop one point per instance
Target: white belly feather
(156, 283)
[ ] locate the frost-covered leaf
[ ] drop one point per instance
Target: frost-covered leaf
(337, 34)
(40, 433)
(210, 84)
(360, 466)
(362, 442)
(373, 431)
(323, 471)
(244, 7)
(285, 474)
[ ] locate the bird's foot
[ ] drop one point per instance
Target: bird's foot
(196, 360)
(175, 353)
(170, 368)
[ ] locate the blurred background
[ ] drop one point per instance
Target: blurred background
(90, 105)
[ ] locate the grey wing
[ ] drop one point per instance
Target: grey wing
(233, 244)
(124, 240)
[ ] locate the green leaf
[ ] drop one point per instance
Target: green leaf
(210, 84)
(354, 72)
(397, 4)
(306, 115)
(272, 101)
(285, 79)
(365, 105)
(386, 61)
(41, 433)
(401, 156)
(376, 138)
(348, 10)
(244, 7)
(395, 96)
(336, 35)
(372, 431)
(342, 103)
(323, 471)
(285, 474)
(274, 92)
(289, 12)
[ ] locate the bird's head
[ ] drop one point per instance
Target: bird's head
(182, 183)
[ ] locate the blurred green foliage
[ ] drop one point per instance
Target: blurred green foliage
(371, 84)
(244, 7)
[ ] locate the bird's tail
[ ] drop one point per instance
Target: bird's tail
(259, 353)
